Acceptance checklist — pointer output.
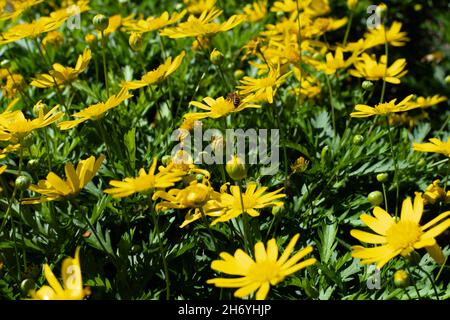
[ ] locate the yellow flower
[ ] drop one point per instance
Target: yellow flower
(43, 24)
(435, 145)
(95, 111)
(2, 169)
(351, 4)
(335, 63)
(394, 36)
(259, 274)
(63, 75)
(256, 11)
(264, 86)
(153, 23)
(157, 75)
(364, 111)
(367, 67)
(18, 7)
(145, 182)
(253, 199)
(54, 38)
(399, 237)
(14, 126)
(72, 288)
(199, 6)
(54, 188)
(200, 198)
(202, 26)
(426, 102)
(435, 192)
(14, 83)
(216, 108)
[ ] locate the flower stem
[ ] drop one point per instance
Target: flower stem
(386, 52)
(208, 227)
(347, 31)
(431, 280)
(244, 219)
(161, 250)
(397, 188)
(105, 70)
(331, 102)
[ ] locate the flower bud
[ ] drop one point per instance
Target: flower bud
(277, 209)
(23, 182)
(90, 38)
(382, 177)
(358, 139)
(421, 163)
(401, 279)
(195, 196)
(447, 79)
(135, 41)
(32, 164)
(216, 57)
(324, 153)
(166, 159)
(351, 4)
(5, 64)
(413, 258)
(238, 74)
(375, 198)
(236, 168)
(100, 22)
(367, 85)
(418, 7)
(27, 285)
(40, 108)
(381, 11)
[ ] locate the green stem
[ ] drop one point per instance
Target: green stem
(208, 227)
(161, 250)
(386, 52)
(331, 102)
(347, 31)
(431, 280)
(397, 187)
(244, 219)
(385, 197)
(105, 70)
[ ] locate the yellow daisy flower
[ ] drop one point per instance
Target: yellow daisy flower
(17, 8)
(63, 75)
(157, 75)
(364, 111)
(54, 188)
(367, 67)
(2, 169)
(426, 102)
(435, 145)
(199, 6)
(217, 108)
(264, 86)
(253, 200)
(95, 111)
(153, 23)
(435, 192)
(14, 126)
(336, 62)
(14, 83)
(145, 182)
(202, 26)
(200, 198)
(399, 237)
(394, 36)
(54, 38)
(259, 274)
(72, 288)
(256, 11)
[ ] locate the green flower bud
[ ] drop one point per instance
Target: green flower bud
(216, 57)
(100, 22)
(381, 11)
(375, 198)
(32, 164)
(383, 177)
(135, 41)
(236, 168)
(447, 79)
(165, 159)
(367, 85)
(23, 182)
(27, 285)
(421, 162)
(40, 107)
(277, 209)
(6, 64)
(358, 139)
(413, 258)
(239, 74)
(401, 279)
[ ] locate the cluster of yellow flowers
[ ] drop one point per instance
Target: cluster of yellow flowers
(293, 48)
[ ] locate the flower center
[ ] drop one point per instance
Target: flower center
(265, 271)
(403, 234)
